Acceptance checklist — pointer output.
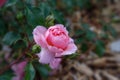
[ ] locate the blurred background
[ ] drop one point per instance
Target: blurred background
(93, 24)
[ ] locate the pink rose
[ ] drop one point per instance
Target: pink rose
(55, 43)
(19, 70)
(2, 2)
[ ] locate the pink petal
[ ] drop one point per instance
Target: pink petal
(40, 29)
(54, 49)
(70, 49)
(38, 35)
(45, 56)
(2, 2)
(60, 41)
(61, 27)
(19, 68)
(55, 63)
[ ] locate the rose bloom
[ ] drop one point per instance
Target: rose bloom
(19, 70)
(2, 2)
(55, 43)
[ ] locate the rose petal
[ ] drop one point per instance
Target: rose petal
(54, 49)
(61, 27)
(55, 63)
(45, 56)
(59, 41)
(40, 29)
(38, 35)
(2, 2)
(19, 68)
(70, 49)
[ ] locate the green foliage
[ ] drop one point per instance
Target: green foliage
(108, 28)
(29, 72)
(43, 70)
(11, 37)
(19, 44)
(7, 75)
(90, 35)
(84, 47)
(34, 17)
(100, 49)
(3, 28)
(11, 3)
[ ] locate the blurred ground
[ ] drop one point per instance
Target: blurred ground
(93, 67)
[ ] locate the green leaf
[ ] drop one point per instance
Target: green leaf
(90, 35)
(7, 75)
(100, 49)
(11, 2)
(84, 4)
(58, 17)
(34, 16)
(45, 9)
(3, 27)
(84, 47)
(11, 37)
(19, 44)
(79, 32)
(79, 40)
(43, 70)
(85, 26)
(110, 29)
(29, 72)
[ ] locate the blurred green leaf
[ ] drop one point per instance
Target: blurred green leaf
(3, 28)
(11, 2)
(45, 9)
(79, 40)
(84, 4)
(19, 44)
(79, 32)
(100, 48)
(59, 18)
(110, 29)
(19, 15)
(7, 75)
(29, 72)
(85, 26)
(42, 69)
(11, 37)
(90, 35)
(84, 47)
(33, 16)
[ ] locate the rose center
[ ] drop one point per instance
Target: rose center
(57, 32)
(58, 38)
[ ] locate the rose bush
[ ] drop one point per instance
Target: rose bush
(55, 43)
